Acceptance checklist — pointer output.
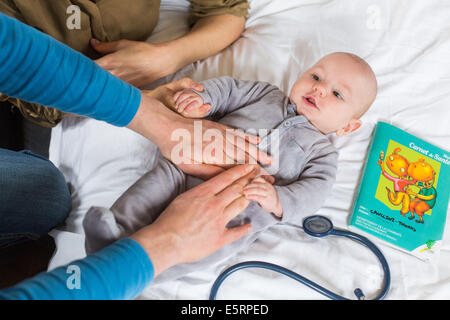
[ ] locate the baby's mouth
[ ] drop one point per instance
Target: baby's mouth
(310, 101)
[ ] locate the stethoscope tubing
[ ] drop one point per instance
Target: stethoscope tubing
(273, 267)
(370, 245)
(307, 282)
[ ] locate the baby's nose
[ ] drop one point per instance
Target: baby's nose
(321, 90)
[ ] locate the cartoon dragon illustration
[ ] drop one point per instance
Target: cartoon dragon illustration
(398, 165)
(423, 173)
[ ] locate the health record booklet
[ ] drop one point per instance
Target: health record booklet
(404, 192)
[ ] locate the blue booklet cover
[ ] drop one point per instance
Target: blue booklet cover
(404, 192)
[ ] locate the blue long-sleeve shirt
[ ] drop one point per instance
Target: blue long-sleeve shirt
(119, 271)
(37, 68)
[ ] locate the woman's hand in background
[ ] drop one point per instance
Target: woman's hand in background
(141, 63)
(138, 63)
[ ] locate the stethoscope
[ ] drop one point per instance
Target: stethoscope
(316, 226)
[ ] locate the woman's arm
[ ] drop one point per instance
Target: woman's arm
(208, 36)
(130, 60)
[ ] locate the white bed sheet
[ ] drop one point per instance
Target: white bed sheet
(406, 42)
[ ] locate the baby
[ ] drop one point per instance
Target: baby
(330, 97)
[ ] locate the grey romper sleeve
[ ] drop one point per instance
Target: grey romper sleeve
(306, 195)
(226, 94)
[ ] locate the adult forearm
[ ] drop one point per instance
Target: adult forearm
(207, 37)
(37, 68)
(155, 122)
(141, 63)
(120, 271)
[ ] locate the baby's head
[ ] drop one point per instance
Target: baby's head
(335, 92)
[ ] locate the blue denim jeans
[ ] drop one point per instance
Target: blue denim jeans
(34, 197)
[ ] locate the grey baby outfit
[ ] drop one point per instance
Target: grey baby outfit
(304, 170)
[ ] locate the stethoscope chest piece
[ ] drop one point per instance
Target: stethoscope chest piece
(318, 226)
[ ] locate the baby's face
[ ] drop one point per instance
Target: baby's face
(332, 93)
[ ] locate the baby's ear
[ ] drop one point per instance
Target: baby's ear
(353, 125)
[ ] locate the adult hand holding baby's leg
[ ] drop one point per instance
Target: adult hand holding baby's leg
(194, 224)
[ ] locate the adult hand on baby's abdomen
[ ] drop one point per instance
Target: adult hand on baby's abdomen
(203, 141)
(208, 171)
(237, 147)
(194, 224)
(189, 141)
(202, 171)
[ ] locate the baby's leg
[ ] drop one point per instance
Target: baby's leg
(144, 201)
(137, 207)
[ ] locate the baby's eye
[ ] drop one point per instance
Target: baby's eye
(337, 94)
(316, 77)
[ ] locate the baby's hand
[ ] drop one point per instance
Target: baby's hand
(190, 104)
(263, 192)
